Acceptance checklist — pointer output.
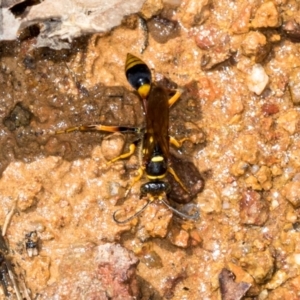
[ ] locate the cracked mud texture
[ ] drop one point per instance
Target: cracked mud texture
(246, 148)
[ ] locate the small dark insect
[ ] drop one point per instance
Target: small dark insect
(31, 243)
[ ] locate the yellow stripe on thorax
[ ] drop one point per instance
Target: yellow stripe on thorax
(157, 158)
(156, 177)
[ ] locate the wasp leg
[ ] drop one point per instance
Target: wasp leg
(135, 180)
(124, 155)
(179, 143)
(132, 148)
(175, 97)
(171, 171)
(105, 128)
(99, 127)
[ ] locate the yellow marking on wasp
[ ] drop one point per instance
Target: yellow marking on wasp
(132, 61)
(177, 143)
(156, 177)
(124, 155)
(151, 139)
(106, 128)
(77, 128)
(159, 197)
(135, 179)
(89, 127)
(144, 90)
(171, 171)
(151, 199)
(174, 98)
(157, 158)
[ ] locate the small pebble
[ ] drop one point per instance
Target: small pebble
(254, 210)
(255, 46)
(112, 146)
(261, 271)
(292, 190)
(266, 16)
(162, 29)
(257, 80)
(289, 121)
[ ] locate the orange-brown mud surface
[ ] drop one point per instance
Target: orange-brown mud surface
(238, 63)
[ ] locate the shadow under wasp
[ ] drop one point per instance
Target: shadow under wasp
(154, 137)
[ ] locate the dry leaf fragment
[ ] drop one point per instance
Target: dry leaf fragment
(231, 290)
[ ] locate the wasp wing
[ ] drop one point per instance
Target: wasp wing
(157, 124)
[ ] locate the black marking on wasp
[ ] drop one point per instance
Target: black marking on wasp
(139, 76)
(155, 138)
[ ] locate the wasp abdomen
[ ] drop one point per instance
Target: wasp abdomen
(138, 75)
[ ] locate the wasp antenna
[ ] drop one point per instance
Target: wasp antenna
(193, 217)
(130, 218)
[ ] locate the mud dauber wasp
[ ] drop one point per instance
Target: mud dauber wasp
(154, 137)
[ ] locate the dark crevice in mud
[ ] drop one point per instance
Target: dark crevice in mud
(20, 8)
